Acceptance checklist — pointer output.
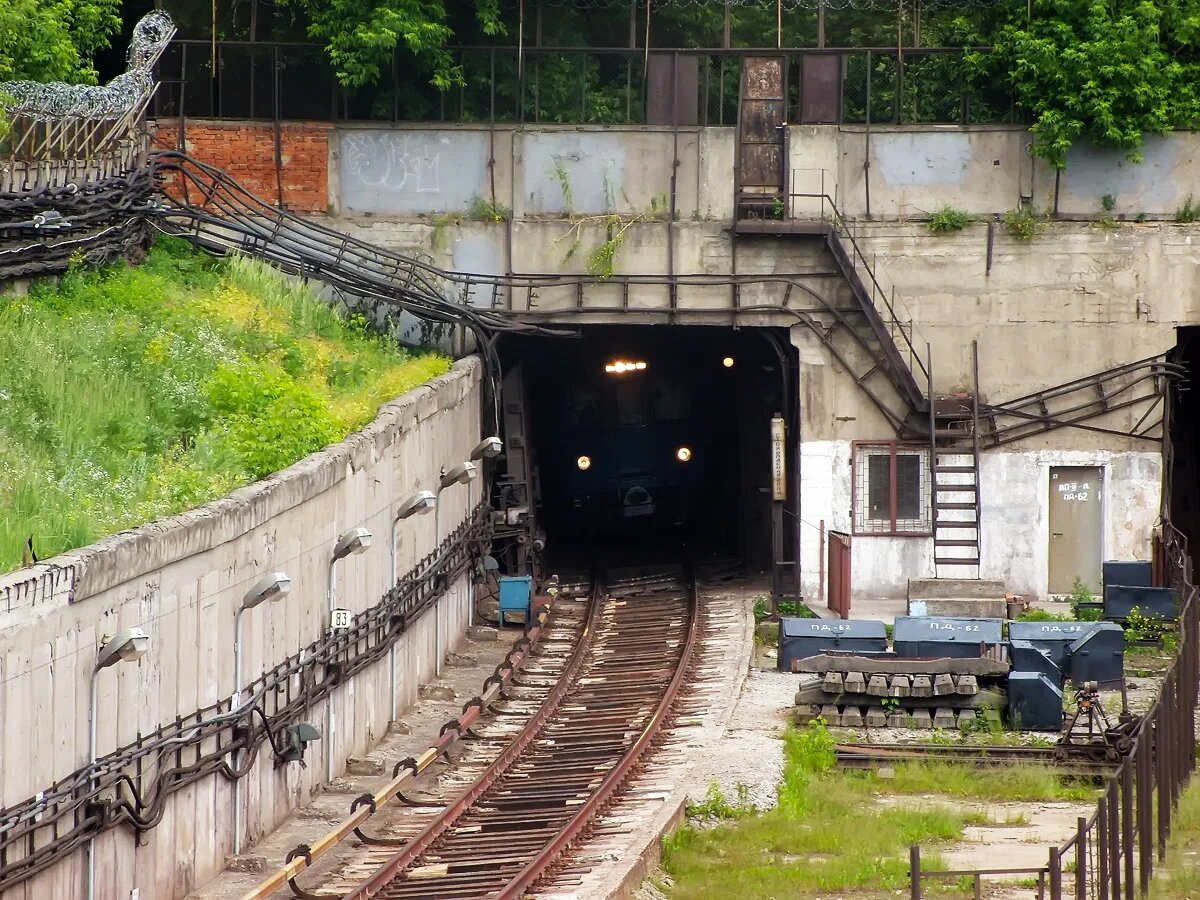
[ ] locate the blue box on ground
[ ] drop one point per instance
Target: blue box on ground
(1034, 703)
(945, 636)
(802, 638)
(1099, 655)
(1054, 638)
(1134, 573)
(516, 593)
(1026, 656)
(1153, 602)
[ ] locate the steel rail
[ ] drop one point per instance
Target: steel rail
(568, 761)
(863, 755)
(363, 808)
(615, 778)
(513, 750)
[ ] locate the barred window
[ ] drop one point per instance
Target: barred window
(891, 489)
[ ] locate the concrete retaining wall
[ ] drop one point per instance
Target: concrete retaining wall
(182, 579)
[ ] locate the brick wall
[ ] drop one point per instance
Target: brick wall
(246, 150)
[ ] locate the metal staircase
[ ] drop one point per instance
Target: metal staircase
(954, 469)
(1139, 387)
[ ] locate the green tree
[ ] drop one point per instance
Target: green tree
(1106, 71)
(361, 35)
(55, 40)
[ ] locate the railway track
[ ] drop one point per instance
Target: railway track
(544, 786)
(861, 756)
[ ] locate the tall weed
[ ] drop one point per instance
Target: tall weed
(132, 393)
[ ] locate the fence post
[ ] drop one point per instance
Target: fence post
(1145, 803)
(1081, 873)
(1055, 875)
(914, 871)
(1102, 844)
(1164, 754)
(1127, 822)
(1114, 836)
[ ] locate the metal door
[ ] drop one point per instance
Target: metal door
(1076, 522)
(760, 163)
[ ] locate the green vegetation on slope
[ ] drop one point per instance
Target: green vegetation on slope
(831, 833)
(132, 393)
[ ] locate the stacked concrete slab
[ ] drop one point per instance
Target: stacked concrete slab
(888, 690)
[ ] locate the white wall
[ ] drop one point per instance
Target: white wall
(1014, 495)
(182, 579)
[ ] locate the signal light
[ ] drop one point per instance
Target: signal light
(621, 366)
(584, 463)
(727, 362)
(683, 454)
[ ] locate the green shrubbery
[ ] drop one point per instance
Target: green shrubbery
(132, 393)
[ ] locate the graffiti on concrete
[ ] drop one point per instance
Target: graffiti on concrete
(410, 172)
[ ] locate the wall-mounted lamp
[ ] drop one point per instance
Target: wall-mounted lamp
(463, 473)
(271, 586)
(129, 645)
(488, 448)
(357, 540)
(418, 504)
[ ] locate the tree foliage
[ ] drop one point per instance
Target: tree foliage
(1106, 71)
(362, 35)
(55, 40)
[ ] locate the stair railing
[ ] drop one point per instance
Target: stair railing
(881, 289)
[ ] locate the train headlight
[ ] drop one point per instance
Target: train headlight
(584, 463)
(683, 454)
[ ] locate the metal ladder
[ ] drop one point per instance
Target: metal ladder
(954, 470)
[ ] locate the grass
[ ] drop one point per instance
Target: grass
(1022, 223)
(129, 394)
(1178, 878)
(830, 833)
(946, 219)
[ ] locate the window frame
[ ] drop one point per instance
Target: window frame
(860, 453)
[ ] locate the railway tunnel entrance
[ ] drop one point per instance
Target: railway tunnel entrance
(640, 437)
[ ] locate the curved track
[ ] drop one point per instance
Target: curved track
(512, 825)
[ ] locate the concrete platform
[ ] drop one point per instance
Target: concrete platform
(975, 597)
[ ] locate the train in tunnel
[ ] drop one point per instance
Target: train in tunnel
(634, 452)
(641, 432)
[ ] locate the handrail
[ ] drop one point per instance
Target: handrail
(895, 320)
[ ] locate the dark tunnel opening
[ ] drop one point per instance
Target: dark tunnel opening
(1183, 476)
(644, 438)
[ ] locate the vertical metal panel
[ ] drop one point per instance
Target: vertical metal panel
(760, 121)
(838, 590)
(680, 106)
(820, 89)
(1076, 519)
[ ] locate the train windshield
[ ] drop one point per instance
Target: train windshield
(584, 409)
(668, 400)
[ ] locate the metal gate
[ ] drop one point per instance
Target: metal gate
(838, 587)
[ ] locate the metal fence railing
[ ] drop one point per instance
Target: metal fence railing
(1113, 851)
(570, 85)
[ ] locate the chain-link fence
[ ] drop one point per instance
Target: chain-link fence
(576, 86)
